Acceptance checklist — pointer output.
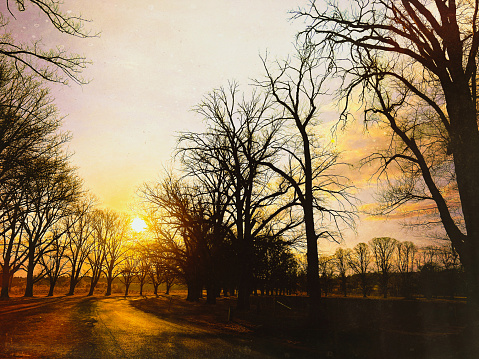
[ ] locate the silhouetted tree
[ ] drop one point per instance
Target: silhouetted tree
(312, 168)
(79, 240)
(405, 253)
(451, 268)
(143, 269)
(97, 254)
(53, 261)
(112, 227)
(128, 269)
(340, 261)
(326, 270)
(359, 260)
(383, 250)
(214, 189)
(178, 225)
(275, 267)
(162, 270)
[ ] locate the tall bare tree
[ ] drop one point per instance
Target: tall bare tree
(312, 167)
(128, 269)
(97, 253)
(12, 231)
(178, 224)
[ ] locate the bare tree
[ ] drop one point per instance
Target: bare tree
(341, 263)
(417, 62)
(162, 268)
(178, 226)
(448, 257)
(12, 231)
(326, 270)
(113, 228)
(80, 240)
(53, 261)
(97, 253)
(128, 269)
(359, 260)
(405, 253)
(143, 269)
(383, 249)
(449, 260)
(312, 168)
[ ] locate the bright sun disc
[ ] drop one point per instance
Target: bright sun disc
(138, 224)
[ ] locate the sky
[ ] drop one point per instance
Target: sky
(152, 63)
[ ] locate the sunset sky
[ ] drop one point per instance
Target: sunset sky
(154, 61)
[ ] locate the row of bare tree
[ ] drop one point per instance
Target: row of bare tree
(37, 184)
(39, 189)
(386, 257)
(47, 221)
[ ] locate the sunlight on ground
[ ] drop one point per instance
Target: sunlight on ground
(138, 225)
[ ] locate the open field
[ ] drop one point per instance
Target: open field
(170, 327)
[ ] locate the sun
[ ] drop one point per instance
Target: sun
(138, 225)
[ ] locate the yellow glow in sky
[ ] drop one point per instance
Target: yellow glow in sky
(153, 62)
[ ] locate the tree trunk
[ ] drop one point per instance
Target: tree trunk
(5, 281)
(73, 279)
(30, 269)
(53, 281)
(465, 149)
(246, 274)
(384, 284)
(73, 284)
(312, 274)
(194, 291)
(108, 286)
(94, 281)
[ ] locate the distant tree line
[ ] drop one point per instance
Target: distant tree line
(388, 267)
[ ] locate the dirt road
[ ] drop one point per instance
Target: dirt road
(110, 327)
